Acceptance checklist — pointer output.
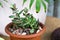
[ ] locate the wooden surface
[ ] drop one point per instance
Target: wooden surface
(51, 24)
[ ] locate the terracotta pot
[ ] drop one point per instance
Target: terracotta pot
(36, 36)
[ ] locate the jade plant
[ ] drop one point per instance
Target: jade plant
(28, 22)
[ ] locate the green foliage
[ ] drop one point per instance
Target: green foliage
(38, 4)
(32, 31)
(24, 1)
(28, 21)
(44, 5)
(47, 0)
(12, 16)
(0, 4)
(31, 2)
(13, 7)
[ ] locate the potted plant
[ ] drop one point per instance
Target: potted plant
(38, 9)
(24, 28)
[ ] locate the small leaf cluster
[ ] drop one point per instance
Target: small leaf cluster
(28, 21)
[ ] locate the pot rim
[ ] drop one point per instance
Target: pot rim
(25, 36)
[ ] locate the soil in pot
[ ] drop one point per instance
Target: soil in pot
(21, 31)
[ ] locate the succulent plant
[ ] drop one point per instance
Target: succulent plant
(28, 21)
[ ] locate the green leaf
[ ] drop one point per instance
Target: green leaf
(47, 0)
(12, 16)
(13, 6)
(44, 5)
(20, 12)
(38, 5)
(24, 1)
(14, 21)
(31, 2)
(25, 10)
(0, 4)
(32, 31)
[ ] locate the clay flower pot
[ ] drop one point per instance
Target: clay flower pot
(25, 37)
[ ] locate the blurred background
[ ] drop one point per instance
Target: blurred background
(54, 8)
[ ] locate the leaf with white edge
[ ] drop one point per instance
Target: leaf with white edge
(24, 1)
(31, 2)
(20, 12)
(44, 5)
(32, 31)
(38, 5)
(12, 16)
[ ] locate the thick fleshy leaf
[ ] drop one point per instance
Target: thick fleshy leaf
(38, 5)
(24, 1)
(13, 6)
(20, 12)
(12, 16)
(32, 31)
(44, 5)
(31, 2)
